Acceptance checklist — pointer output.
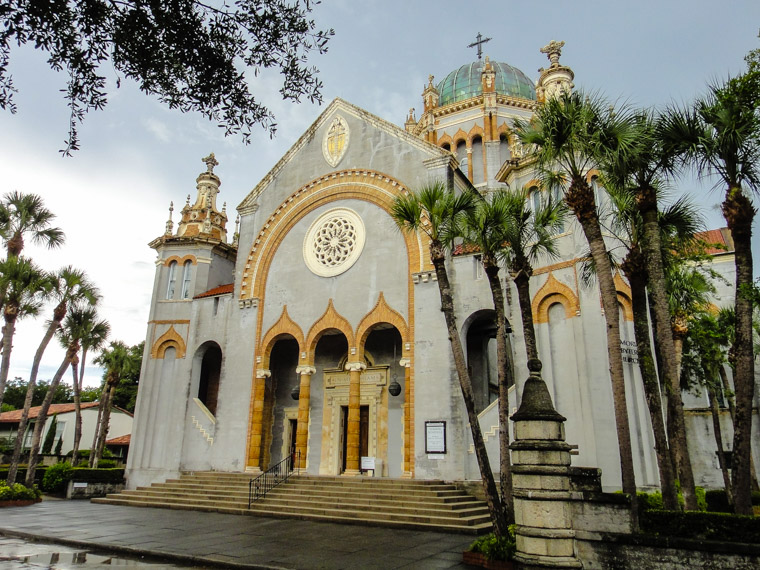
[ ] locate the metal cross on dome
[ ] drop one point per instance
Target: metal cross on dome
(480, 41)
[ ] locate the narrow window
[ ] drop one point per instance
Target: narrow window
(186, 279)
(478, 260)
(535, 197)
(172, 280)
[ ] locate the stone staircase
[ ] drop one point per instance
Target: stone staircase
(399, 503)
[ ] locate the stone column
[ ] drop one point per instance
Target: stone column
(407, 364)
(257, 416)
(354, 401)
(302, 427)
(541, 480)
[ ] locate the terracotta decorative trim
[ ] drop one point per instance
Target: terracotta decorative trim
(554, 292)
(170, 339)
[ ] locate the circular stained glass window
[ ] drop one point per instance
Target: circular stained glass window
(334, 242)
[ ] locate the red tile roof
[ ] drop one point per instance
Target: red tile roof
(465, 248)
(121, 440)
(14, 416)
(221, 290)
(719, 241)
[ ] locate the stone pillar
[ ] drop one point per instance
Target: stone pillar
(407, 364)
(257, 416)
(354, 401)
(541, 480)
(302, 427)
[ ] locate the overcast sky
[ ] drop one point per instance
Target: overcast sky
(136, 156)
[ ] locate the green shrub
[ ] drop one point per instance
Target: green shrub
(21, 474)
(495, 548)
(702, 526)
(717, 500)
(701, 500)
(650, 501)
(56, 477)
(85, 453)
(18, 492)
(106, 464)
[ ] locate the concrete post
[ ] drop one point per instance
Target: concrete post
(302, 427)
(354, 402)
(541, 480)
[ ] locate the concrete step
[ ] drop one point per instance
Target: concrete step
(398, 503)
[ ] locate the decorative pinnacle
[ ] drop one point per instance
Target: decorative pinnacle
(187, 203)
(553, 50)
(169, 223)
(479, 42)
(430, 80)
(211, 162)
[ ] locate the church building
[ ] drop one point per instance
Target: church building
(314, 330)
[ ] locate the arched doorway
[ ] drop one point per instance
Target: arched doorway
(210, 374)
(280, 418)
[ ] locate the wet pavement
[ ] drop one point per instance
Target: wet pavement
(18, 553)
(112, 535)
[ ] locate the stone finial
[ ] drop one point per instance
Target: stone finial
(187, 202)
(553, 51)
(411, 115)
(211, 162)
(430, 80)
(169, 223)
(536, 401)
(236, 235)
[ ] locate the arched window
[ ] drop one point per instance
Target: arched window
(503, 148)
(535, 198)
(172, 280)
(478, 174)
(186, 273)
(462, 155)
(446, 146)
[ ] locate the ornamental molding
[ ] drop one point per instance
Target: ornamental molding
(334, 242)
(263, 373)
(335, 141)
(355, 366)
(424, 277)
(307, 370)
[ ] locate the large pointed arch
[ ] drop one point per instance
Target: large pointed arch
(381, 313)
(330, 320)
(285, 326)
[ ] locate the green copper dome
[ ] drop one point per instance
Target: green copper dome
(465, 82)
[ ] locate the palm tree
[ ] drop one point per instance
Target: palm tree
(677, 224)
(720, 135)
(68, 335)
(94, 335)
(119, 361)
(568, 133)
(637, 169)
(485, 226)
(25, 214)
(529, 235)
(69, 286)
(438, 212)
(23, 287)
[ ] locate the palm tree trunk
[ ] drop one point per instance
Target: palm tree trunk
(39, 426)
(493, 500)
(505, 379)
(718, 433)
(728, 391)
(101, 407)
(580, 199)
(739, 213)
(24, 420)
(103, 429)
(636, 278)
(77, 409)
(522, 282)
(8, 330)
(646, 200)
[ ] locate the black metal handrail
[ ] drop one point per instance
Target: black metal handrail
(269, 479)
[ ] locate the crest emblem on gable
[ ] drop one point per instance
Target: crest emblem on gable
(335, 141)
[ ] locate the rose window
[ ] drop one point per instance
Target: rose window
(334, 242)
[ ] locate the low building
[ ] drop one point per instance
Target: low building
(120, 424)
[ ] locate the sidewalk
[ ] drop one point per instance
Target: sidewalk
(217, 540)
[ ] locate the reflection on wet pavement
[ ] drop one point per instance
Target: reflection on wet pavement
(18, 553)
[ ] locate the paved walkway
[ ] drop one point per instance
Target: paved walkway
(217, 540)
